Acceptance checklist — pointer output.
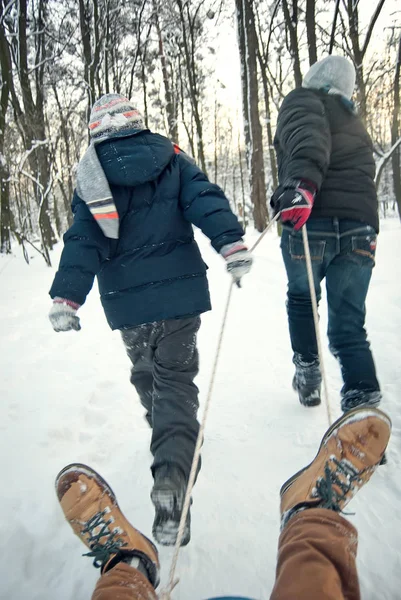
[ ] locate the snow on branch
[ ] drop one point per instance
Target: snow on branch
(35, 144)
(384, 159)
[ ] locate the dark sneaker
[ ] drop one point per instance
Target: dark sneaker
(168, 495)
(350, 452)
(307, 381)
(91, 508)
(356, 398)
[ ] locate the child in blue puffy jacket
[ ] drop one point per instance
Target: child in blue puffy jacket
(136, 198)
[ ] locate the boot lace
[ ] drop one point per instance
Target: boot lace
(97, 528)
(344, 476)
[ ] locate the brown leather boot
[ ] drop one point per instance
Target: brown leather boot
(350, 452)
(91, 509)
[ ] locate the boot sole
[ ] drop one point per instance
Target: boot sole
(95, 475)
(165, 527)
(371, 412)
(314, 402)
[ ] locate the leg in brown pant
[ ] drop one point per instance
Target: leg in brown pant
(317, 547)
(316, 558)
(316, 561)
(125, 583)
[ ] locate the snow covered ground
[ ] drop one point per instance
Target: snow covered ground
(66, 397)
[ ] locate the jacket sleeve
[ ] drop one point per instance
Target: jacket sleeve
(303, 137)
(205, 205)
(85, 248)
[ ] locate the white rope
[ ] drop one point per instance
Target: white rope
(316, 320)
(166, 594)
(262, 235)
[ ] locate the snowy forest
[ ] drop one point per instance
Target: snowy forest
(209, 74)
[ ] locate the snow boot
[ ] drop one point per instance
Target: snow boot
(350, 452)
(357, 398)
(307, 381)
(168, 495)
(91, 508)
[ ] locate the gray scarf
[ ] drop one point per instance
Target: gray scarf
(93, 188)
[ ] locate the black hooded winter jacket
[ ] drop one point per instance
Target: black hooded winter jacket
(319, 138)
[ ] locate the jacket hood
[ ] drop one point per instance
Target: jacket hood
(333, 74)
(135, 158)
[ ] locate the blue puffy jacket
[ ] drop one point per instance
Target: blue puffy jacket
(154, 270)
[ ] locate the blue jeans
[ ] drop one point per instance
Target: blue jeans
(343, 252)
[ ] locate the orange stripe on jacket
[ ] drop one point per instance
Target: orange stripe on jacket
(112, 215)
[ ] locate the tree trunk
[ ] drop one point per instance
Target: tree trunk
(244, 78)
(257, 172)
(85, 26)
(358, 52)
(5, 209)
(33, 122)
(241, 208)
(311, 31)
(170, 104)
(188, 129)
(353, 19)
(395, 131)
(266, 93)
(190, 64)
(334, 26)
(291, 24)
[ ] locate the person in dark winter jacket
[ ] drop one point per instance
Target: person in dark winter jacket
(136, 199)
(326, 175)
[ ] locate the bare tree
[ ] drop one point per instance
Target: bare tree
(395, 130)
(90, 27)
(190, 26)
(170, 101)
(30, 115)
(334, 26)
(358, 50)
(311, 30)
(246, 16)
(244, 74)
(291, 22)
(5, 207)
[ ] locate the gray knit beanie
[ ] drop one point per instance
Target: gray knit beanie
(113, 113)
(335, 74)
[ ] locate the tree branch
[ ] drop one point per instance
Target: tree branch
(371, 26)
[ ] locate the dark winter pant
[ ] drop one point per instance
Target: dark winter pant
(343, 252)
(165, 363)
(316, 561)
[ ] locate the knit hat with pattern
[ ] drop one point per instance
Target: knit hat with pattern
(113, 113)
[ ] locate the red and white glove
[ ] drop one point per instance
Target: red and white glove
(238, 258)
(62, 315)
(295, 204)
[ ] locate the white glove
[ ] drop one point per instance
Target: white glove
(238, 258)
(62, 315)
